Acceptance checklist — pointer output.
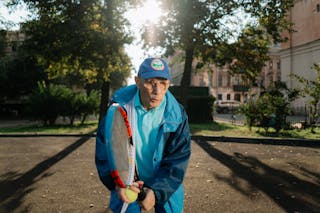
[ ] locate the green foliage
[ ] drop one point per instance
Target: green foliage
(271, 16)
(79, 43)
(76, 39)
(248, 55)
(250, 110)
(266, 116)
(46, 102)
(270, 109)
(49, 102)
(87, 104)
(18, 76)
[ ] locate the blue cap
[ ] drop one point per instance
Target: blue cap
(154, 68)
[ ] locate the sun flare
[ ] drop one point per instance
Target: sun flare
(150, 11)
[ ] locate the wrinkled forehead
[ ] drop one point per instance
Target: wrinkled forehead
(156, 79)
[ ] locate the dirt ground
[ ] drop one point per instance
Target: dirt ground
(57, 174)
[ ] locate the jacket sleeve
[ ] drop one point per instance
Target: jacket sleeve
(174, 163)
(101, 159)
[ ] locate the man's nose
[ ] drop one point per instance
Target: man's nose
(156, 88)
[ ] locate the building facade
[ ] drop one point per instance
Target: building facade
(221, 84)
(302, 49)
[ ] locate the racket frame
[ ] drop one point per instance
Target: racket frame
(131, 148)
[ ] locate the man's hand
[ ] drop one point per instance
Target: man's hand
(150, 200)
(122, 191)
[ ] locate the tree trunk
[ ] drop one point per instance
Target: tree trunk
(106, 85)
(186, 78)
(72, 120)
(104, 99)
(84, 117)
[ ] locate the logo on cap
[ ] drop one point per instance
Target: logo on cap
(157, 64)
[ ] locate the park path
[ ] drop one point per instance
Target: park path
(57, 174)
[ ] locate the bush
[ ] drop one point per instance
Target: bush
(250, 110)
(271, 109)
(89, 104)
(49, 102)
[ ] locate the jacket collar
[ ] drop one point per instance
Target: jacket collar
(172, 113)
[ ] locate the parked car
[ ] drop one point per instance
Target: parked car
(226, 106)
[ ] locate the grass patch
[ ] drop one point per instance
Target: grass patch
(208, 129)
(87, 127)
(226, 129)
(221, 129)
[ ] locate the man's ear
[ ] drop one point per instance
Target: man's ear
(137, 80)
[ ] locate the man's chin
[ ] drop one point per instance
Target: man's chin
(154, 104)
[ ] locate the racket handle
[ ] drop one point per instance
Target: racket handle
(141, 195)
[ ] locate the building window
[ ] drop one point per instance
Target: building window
(279, 76)
(219, 97)
(318, 8)
(270, 79)
(228, 97)
(219, 80)
(237, 97)
(228, 81)
(237, 80)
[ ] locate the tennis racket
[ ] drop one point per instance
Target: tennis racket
(121, 149)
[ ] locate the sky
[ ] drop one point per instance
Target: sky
(149, 12)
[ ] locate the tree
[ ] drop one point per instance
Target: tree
(192, 26)
(247, 56)
(311, 88)
(19, 76)
(199, 27)
(18, 71)
(81, 41)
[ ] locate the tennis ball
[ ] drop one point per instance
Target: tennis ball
(131, 195)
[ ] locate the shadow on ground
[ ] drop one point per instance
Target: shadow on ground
(15, 186)
(290, 192)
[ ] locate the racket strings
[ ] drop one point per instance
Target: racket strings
(123, 148)
(120, 147)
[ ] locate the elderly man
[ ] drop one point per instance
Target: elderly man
(162, 138)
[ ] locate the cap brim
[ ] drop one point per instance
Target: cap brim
(158, 74)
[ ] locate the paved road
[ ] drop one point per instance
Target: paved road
(57, 174)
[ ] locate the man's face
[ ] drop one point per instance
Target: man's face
(152, 91)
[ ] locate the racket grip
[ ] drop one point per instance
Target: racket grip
(141, 195)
